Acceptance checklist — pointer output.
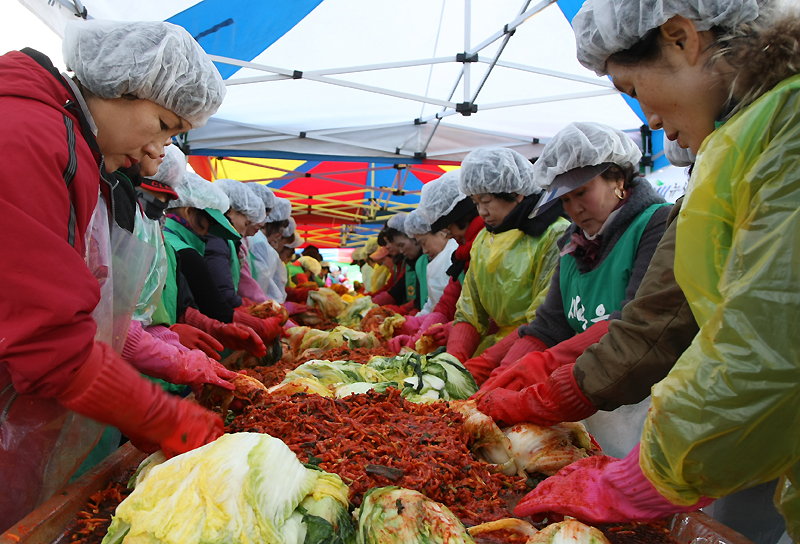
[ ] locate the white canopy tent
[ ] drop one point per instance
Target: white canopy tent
(385, 80)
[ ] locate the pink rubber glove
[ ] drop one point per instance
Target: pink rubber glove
(164, 361)
(556, 400)
(419, 324)
(440, 333)
(536, 367)
(230, 335)
(107, 389)
(481, 366)
(295, 308)
(602, 489)
(399, 342)
(412, 324)
(463, 341)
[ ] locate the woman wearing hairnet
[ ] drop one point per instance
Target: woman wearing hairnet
(617, 221)
(513, 258)
(117, 110)
(410, 290)
(721, 78)
(192, 217)
(439, 249)
(222, 255)
(176, 310)
(449, 211)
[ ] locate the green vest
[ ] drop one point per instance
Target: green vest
(416, 277)
(591, 297)
(182, 238)
(167, 310)
(236, 266)
(176, 238)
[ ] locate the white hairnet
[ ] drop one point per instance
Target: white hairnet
(397, 222)
(157, 61)
(170, 171)
(371, 246)
(440, 196)
(676, 155)
(584, 144)
(415, 224)
(243, 200)
(264, 193)
(605, 27)
(281, 211)
(496, 170)
(197, 192)
(290, 228)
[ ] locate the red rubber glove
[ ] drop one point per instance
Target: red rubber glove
(194, 338)
(297, 294)
(383, 299)
(268, 329)
(536, 367)
(295, 308)
(230, 335)
(481, 366)
(556, 400)
(602, 489)
(408, 308)
(145, 411)
(246, 302)
(525, 345)
(463, 342)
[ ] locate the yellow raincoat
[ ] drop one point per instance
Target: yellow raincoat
(380, 276)
(508, 278)
(727, 417)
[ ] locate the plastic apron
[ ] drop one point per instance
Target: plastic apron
(592, 297)
(43, 443)
(149, 232)
(436, 273)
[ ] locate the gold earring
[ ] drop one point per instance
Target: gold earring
(619, 195)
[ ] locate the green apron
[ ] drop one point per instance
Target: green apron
(252, 259)
(421, 271)
(167, 311)
(176, 238)
(236, 266)
(591, 297)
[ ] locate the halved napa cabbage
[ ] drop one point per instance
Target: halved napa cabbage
(244, 487)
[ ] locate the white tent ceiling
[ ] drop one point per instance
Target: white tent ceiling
(381, 79)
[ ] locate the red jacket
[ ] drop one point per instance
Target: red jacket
(46, 327)
(448, 300)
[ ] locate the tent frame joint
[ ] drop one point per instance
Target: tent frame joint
(466, 57)
(466, 108)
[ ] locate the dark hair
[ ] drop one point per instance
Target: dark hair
(464, 221)
(386, 235)
(508, 197)
(278, 226)
(616, 172)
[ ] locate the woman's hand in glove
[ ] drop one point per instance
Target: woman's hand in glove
(602, 489)
(193, 338)
(268, 329)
